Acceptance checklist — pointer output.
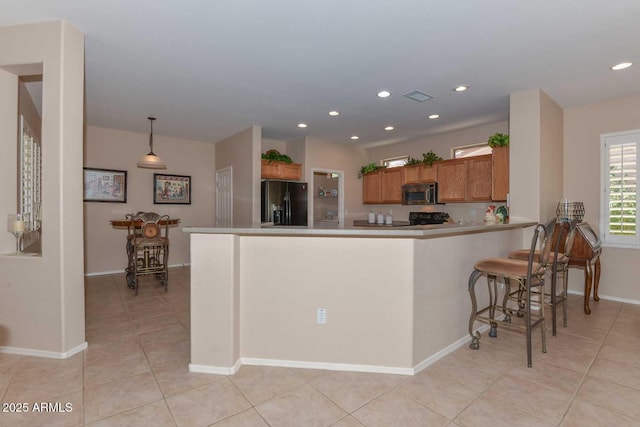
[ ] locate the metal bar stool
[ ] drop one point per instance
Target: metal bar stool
(524, 284)
(558, 267)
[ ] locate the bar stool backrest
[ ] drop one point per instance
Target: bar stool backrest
(542, 238)
(153, 226)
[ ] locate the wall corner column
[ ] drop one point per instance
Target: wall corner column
(215, 303)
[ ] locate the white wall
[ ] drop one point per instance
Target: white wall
(117, 149)
(42, 297)
(582, 129)
(524, 155)
(242, 152)
(338, 156)
(441, 144)
(551, 156)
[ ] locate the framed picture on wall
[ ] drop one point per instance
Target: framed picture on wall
(171, 189)
(105, 185)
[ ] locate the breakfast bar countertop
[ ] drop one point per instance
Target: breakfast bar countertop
(415, 231)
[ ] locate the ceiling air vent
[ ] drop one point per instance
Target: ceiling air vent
(416, 95)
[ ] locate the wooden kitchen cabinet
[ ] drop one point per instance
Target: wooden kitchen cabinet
(281, 170)
(372, 188)
(392, 185)
(452, 180)
(479, 178)
(471, 179)
(500, 177)
(383, 186)
(416, 174)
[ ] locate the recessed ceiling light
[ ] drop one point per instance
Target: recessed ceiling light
(334, 113)
(354, 137)
(384, 94)
(461, 88)
(389, 128)
(434, 116)
(621, 66)
(302, 125)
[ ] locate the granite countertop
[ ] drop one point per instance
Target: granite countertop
(334, 230)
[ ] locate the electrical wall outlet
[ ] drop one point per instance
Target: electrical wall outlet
(473, 212)
(321, 316)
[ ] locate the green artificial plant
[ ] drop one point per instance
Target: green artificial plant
(430, 157)
(274, 156)
(498, 140)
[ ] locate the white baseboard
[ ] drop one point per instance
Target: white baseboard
(44, 353)
(121, 271)
(218, 370)
(376, 369)
(327, 366)
(607, 297)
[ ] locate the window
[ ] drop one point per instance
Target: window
(619, 219)
(471, 150)
(395, 162)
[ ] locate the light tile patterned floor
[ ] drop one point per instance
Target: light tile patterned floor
(134, 373)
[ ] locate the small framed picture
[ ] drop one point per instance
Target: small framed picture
(105, 185)
(171, 189)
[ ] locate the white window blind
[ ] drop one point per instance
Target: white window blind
(620, 189)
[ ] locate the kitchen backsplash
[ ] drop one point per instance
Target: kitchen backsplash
(467, 212)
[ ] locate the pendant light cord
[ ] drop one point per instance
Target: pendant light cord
(151, 119)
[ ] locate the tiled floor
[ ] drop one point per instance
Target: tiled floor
(134, 373)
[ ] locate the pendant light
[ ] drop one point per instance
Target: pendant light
(150, 160)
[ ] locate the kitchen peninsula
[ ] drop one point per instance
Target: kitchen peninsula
(394, 299)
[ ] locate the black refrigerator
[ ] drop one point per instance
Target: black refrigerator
(284, 202)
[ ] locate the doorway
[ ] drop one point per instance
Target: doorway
(327, 197)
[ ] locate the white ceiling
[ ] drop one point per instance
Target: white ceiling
(209, 69)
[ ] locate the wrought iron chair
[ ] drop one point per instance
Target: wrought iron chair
(148, 248)
(529, 279)
(557, 267)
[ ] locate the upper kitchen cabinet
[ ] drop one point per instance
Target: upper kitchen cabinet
(281, 170)
(475, 179)
(383, 186)
(372, 188)
(392, 185)
(416, 174)
(452, 180)
(479, 176)
(500, 174)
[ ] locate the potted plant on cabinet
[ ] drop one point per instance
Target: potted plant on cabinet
(371, 167)
(498, 140)
(280, 166)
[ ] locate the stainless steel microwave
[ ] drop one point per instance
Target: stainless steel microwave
(420, 194)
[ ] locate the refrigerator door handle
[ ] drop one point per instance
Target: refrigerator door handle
(287, 199)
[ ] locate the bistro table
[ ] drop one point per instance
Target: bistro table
(115, 223)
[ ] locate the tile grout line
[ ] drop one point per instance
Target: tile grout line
(595, 357)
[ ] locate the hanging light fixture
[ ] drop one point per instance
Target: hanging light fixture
(150, 160)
